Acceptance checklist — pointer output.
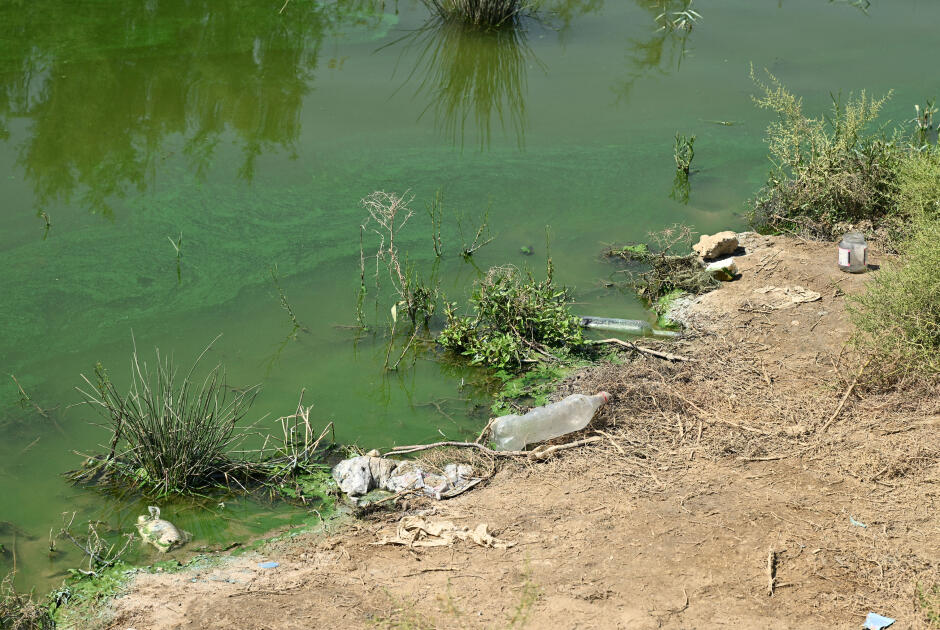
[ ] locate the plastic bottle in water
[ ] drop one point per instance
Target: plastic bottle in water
(512, 433)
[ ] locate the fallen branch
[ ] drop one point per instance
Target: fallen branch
(539, 453)
(845, 397)
(489, 424)
(414, 448)
(654, 353)
(544, 451)
(771, 571)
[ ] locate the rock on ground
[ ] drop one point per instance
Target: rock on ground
(716, 245)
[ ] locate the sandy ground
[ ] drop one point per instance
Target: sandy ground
(727, 493)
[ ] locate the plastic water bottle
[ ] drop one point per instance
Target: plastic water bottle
(853, 253)
(629, 326)
(512, 433)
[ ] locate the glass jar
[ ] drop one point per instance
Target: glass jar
(853, 253)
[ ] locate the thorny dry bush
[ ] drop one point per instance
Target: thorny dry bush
(21, 611)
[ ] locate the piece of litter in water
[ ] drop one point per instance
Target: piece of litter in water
(268, 565)
(857, 523)
(874, 621)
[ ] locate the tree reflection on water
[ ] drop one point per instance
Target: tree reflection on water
(472, 79)
(104, 88)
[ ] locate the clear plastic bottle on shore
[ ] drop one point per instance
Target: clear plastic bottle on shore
(573, 413)
(853, 253)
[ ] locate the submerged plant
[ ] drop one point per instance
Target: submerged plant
(174, 435)
(681, 20)
(923, 122)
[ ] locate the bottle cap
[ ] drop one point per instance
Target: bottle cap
(605, 395)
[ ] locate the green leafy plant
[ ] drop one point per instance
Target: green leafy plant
(517, 321)
(928, 599)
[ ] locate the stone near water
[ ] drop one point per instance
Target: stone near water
(716, 245)
(354, 475)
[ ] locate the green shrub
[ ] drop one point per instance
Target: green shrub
(918, 185)
(898, 317)
(517, 320)
(828, 173)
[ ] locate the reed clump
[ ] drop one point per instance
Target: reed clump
(171, 434)
(182, 435)
(484, 14)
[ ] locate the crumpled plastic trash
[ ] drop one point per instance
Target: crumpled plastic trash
(874, 621)
(268, 565)
(160, 533)
(416, 531)
(357, 476)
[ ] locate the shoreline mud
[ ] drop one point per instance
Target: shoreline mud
(753, 486)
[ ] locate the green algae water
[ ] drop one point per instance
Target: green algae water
(159, 158)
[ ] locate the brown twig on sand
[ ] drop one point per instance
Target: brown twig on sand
(480, 437)
(544, 451)
(845, 397)
(414, 448)
(771, 571)
(655, 353)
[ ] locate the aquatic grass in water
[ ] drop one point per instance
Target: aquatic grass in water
(479, 13)
(176, 436)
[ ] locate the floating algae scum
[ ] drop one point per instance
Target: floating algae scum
(158, 159)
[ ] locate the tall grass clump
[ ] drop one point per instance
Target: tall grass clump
(517, 320)
(171, 434)
(484, 14)
(829, 172)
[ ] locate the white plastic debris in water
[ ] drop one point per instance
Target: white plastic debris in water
(162, 534)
